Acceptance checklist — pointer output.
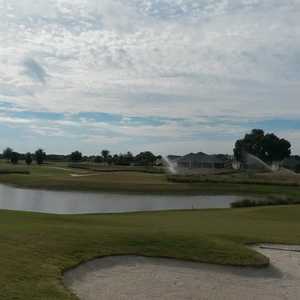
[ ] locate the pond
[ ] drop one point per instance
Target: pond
(58, 202)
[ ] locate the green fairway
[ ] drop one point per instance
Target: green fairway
(35, 249)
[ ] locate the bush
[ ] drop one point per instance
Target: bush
(28, 158)
(76, 156)
(14, 158)
(267, 202)
(14, 170)
(40, 156)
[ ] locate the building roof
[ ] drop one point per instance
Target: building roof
(204, 158)
(174, 157)
(291, 161)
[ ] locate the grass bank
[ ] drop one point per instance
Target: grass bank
(6, 168)
(283, 179)
(100, 168)
(55, 177)
(35, 249)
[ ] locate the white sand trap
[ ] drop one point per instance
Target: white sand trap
(140, 278)
(75, 174)
(84, 175)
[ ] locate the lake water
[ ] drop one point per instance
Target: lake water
(57, 202)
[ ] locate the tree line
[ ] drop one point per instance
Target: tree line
(12, 156)
(123, 159)
(145, 158)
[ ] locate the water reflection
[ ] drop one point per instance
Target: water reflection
(77, 202)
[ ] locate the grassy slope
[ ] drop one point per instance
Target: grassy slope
(279, 178)
(36, 248)
(112, 168)
(47, 177)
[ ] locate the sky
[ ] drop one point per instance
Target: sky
(170, 76)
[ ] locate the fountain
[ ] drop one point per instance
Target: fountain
(171, 165)
(253, 160)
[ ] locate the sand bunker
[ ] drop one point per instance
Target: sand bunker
(137, 278)
(84, 174)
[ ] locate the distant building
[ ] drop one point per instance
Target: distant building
(202, 160)
(292, 163)
(174, 157)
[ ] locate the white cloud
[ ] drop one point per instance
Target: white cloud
(176, 58)
(13, 121)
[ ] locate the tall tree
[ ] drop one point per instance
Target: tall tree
(267, 147)
(7, 153)
(76, 156)
(40, 156)
(115, 159)
(128, 158)
(146, 158)
(28, 158)
(105, 155)
(275, 149)
(14, 158)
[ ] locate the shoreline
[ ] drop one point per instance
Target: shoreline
(189, 189)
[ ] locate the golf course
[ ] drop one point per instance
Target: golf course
(36, 249)
(133, 180)
(150, 150)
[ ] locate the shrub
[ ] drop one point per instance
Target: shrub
(267, 202)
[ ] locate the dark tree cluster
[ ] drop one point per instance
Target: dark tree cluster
(105, 157)
(7, 153)
(123, 159)
(268, 147)
(76, 156)
(14, 157)
(40, 156)
(146, 158)
(28, 158)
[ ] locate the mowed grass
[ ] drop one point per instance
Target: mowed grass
(283, 177)
(52, 177)
(35, 249)
(57, 177)
(116, 168)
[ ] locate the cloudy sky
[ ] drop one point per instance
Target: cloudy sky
(172, 76)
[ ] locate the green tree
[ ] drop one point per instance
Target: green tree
(267, 147)
(275, 149)
(40, 156)
(105, 155)
(28, 158)
(98, 159)
(76, 156)
(116, 159)
(129, 158)
(123, 159)
(14, 158)
(7, 153)
(146, 158)
(109, 159)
